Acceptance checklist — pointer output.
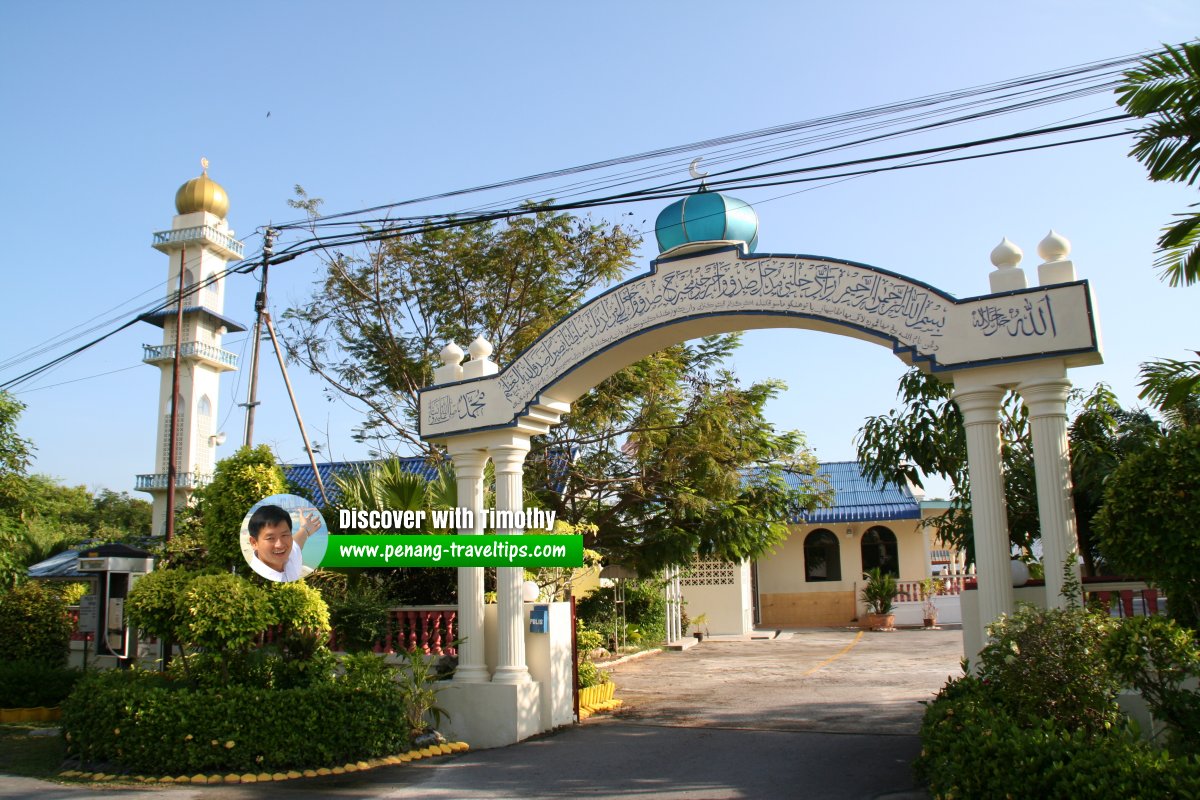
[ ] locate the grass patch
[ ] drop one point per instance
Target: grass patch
(30, 756)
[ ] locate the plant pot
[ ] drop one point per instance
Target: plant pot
(699, 636)
(930, 621)
(878, 622)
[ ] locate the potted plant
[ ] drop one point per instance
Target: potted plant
(879, 595)
(700, 626)
(929, 609)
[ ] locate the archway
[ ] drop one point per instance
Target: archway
(1017, 337)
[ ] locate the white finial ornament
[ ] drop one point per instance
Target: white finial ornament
(452, 355)
(450, 370)
(204, 165)
(1054, 250)
(1054, 247)
(1007, 276)
(695, 173)
(480, 348)
(480, 364)
(1006, 254)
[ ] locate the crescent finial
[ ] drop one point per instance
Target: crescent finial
(695, 173)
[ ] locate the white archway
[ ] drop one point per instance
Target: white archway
(1017, 337)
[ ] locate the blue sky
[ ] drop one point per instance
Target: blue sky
(108, 108)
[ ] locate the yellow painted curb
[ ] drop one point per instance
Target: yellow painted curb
(445, 748)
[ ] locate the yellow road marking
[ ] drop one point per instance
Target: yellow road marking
(834, 657)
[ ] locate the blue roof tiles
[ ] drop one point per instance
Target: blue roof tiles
(858, 498)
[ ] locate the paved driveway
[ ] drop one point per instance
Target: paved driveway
(822, 714)
(830, 681)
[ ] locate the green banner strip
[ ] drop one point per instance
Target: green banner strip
(454, 551)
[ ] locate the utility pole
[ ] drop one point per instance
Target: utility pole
(260, 308)
(172, 439)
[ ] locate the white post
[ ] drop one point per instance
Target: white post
(509, 460)
(981, 415)
(468, 472)
(1047, 404)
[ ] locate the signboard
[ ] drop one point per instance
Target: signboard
(89, 613)
(539, 619)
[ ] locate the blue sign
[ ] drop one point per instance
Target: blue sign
(539, 619)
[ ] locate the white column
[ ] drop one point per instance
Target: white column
(981, 414)
(468, 472)
(509, 460)
(1047, 403)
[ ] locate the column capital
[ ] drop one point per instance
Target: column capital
(1045, 397)
(979, 406)
(509, 457)
(468, 461)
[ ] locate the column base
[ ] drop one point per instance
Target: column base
(473, 673)
(512, 675)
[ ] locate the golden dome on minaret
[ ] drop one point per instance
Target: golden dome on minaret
(202, 194)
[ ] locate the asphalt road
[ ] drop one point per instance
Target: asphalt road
(822, 714)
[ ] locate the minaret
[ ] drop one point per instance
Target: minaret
(201, 242)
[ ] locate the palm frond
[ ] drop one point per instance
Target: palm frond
(1168, 383)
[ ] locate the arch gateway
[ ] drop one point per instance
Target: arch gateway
(1017, 337)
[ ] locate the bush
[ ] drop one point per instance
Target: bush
(645, 611)
(238, 482)
(1147, 525)
(26, 684)
(1156, 656)
(34, 625)
(973, 747)
(359, 618)
(1046, 663)
(223, 613)
(145, 723)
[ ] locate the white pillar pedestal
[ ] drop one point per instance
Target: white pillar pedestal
(468, 471)
(980, 408)
(509, 460)
(1046, 400)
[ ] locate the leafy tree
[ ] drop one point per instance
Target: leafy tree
(675, 459)
(659, 453)
(16, 453)
(377, 320)
(1165, 90)
(926, 436)
(34, 625)
(1102, 435)
(1148, 523)
(238, 482)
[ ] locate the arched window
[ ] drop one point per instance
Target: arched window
(822, 557)
(204, 407)
(879, 550)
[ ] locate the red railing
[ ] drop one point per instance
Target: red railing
(432, 629)
(943, 585)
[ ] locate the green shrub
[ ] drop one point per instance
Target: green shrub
(34, 625)
(645, 610)
(25, 684)
(973, 747)
(146, 723)
(1156, 656)
(155, 603)
(238, 482)
(1045, 663)
(223, 613)
(359, 618)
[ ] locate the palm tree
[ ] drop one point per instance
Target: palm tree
(1165, 90)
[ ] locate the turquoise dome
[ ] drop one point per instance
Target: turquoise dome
(706, 217)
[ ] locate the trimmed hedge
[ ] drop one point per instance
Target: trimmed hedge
(27, 684)
(144, 723)
(34, 625)
(973, 748)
